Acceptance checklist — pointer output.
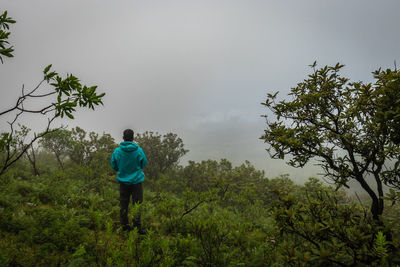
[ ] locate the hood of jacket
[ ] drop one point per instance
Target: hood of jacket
(128, 146)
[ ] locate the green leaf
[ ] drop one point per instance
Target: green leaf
(69, 115)
(47, 69)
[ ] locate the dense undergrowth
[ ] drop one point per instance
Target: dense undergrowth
(207, 213)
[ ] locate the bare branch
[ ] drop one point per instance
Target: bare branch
(22, 98)
(11, 159)
(43, 95)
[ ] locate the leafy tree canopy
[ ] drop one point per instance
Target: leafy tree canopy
(163, 151)
(348, 127)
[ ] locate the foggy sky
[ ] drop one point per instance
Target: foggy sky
(196, 68)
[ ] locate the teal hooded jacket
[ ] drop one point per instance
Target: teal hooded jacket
(128, 160)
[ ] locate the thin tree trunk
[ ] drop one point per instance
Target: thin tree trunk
(59, 161)
(32, 160)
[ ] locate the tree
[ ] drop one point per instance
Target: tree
(163, 152)
(343, 126)
(31, 155)
(85, 148)
(61, 97)
(58, 142)
(18, 144)
(79, 150)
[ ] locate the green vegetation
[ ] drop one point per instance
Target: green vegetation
(350, 128)
(206, 213)
(59, 200)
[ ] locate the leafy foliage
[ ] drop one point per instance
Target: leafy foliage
(207, 213)
(164, 151)
(5, 49)
(323, 229)
(346, 126)
(57, 142)
(388, 102)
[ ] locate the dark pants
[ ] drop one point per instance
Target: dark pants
(125, 192)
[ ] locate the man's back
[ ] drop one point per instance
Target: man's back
(129, 160)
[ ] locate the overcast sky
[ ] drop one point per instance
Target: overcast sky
(196, 68)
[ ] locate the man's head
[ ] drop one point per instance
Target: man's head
(128, 135)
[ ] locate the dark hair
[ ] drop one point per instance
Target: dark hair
(128, 135)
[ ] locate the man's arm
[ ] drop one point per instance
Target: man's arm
(114, 163)
(143, 160)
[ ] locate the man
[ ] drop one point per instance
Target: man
(128, 160)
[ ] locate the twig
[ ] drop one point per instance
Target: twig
(21, 99)
(362, 206)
